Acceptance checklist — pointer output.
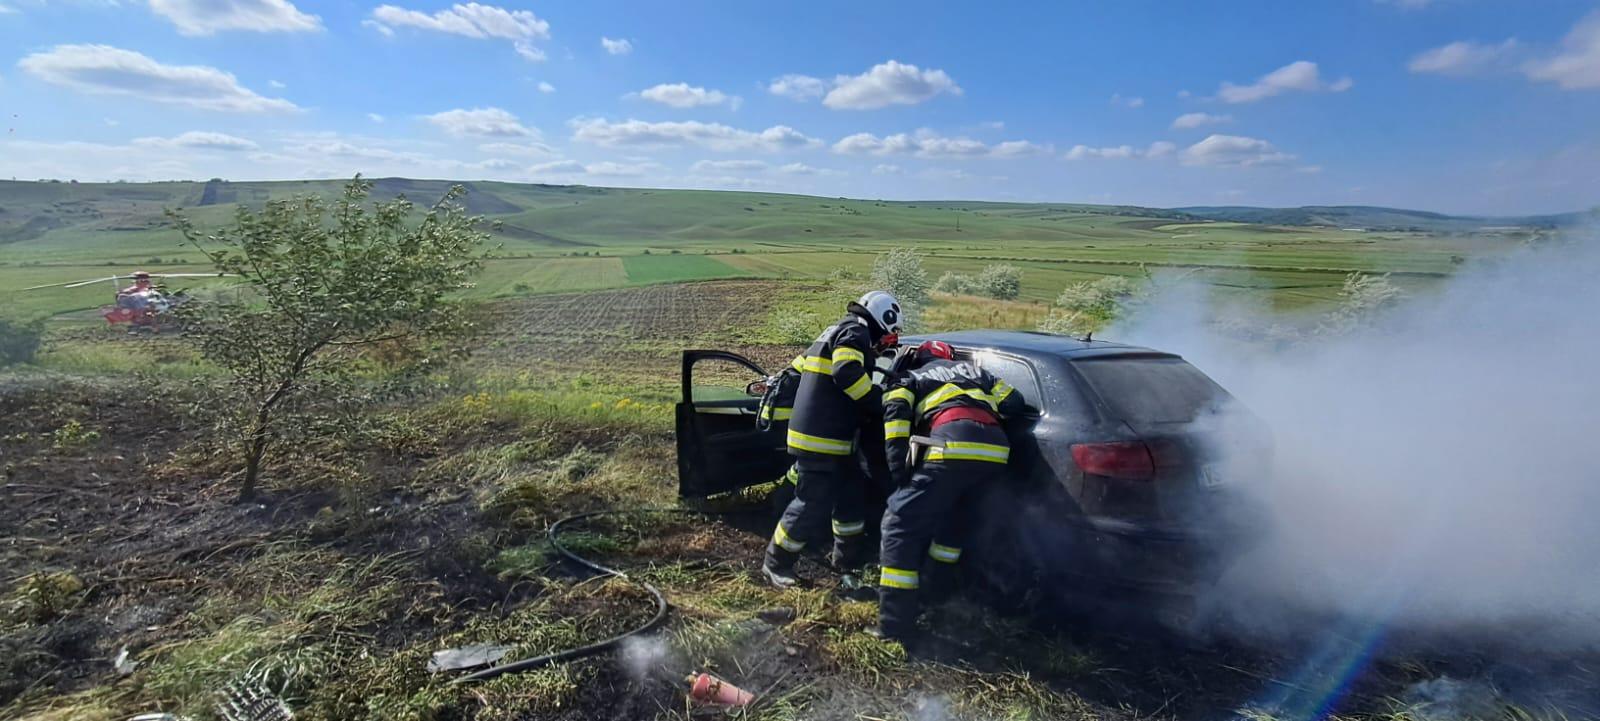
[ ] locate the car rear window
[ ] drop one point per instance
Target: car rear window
(1151, 389)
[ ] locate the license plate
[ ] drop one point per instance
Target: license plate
(1211, 477)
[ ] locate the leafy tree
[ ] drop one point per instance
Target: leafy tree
(955, 284)
(325, 279)
(900, 272)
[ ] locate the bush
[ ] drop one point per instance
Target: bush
(1000, 281)
(19, 342)
(797, 327)
(1089, 306)
(1362, 298)
(900, 272)
(955, 284)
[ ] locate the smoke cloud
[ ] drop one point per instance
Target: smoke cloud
(1434, 469)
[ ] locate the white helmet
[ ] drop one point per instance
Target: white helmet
(883, 309)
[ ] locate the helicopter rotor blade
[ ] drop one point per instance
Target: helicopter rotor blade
(194, 275)
(82, 283)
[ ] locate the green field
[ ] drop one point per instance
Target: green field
(575, 238)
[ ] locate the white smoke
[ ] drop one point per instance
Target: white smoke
(644, 655)
(1436, 468)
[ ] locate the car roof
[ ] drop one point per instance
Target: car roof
(1031, 343)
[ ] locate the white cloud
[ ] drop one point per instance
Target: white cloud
(1577, 65)
(887, 169)
(1158, 149)
(557, 167)
(1196, 120)
(528, 51)
(527, 150)
(470, 20)
(276, 84)
(1234, 151)
(207, 17)
(993, 125)
(1300, 76)
(928, 144)
(620, 169)
(199, 140)
(684, 95)
(715, 136)
(728, 166)
(1127, 102)
(803, 169)
(105, 70)
(798, 87)
(334, 148)
(480, 122)
(1081, 152)
(545, 87)
(374, 117)
(7, 10)
(890, 83)
(620, 46)
(1462, 58)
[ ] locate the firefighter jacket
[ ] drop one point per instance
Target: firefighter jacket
(777, 404)
(915, 397)
(835, 390)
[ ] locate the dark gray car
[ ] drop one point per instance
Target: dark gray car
(1119, 472)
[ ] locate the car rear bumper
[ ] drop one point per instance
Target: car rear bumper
(1159, 559)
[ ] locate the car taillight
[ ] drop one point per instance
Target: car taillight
(1129, 460)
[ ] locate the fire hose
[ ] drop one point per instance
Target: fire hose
(573, 654)
(598, 647)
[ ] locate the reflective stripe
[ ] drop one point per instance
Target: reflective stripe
(799, 363)
(900, 394)
(793, 476)
(896, 429)
(772, 413)
(816, 364)
(945, 554)
(897, 578)
(849, 529)
(859, 388)
(999, 392)
(783, 540)
(845, 354)
(818, 444)
(970, 451)
(949, 392)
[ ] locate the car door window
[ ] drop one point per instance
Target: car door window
(1016, 372)
(721, 379)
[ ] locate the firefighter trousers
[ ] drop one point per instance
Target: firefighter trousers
(825, 487)
(927, 522)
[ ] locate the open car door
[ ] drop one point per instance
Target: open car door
(719, 447)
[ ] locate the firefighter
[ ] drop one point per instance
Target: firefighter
(958, 406)
(834, 395)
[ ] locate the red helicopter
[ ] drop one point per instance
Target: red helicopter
(141, 305)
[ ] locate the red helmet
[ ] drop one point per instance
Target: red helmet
(935, 349)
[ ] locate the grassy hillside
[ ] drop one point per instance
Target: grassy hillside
(563, 238)
(1376, 218)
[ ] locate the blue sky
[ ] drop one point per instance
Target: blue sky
(1469, 106)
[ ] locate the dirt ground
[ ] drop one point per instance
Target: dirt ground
(113, 491)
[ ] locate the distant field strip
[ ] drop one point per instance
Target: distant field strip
(670, 268)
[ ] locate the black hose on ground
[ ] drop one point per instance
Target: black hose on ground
(573, 654)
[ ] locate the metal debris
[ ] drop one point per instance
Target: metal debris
(455, 659)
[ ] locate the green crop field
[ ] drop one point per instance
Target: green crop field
(575, 238)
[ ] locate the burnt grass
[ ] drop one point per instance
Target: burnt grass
(427, 532)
